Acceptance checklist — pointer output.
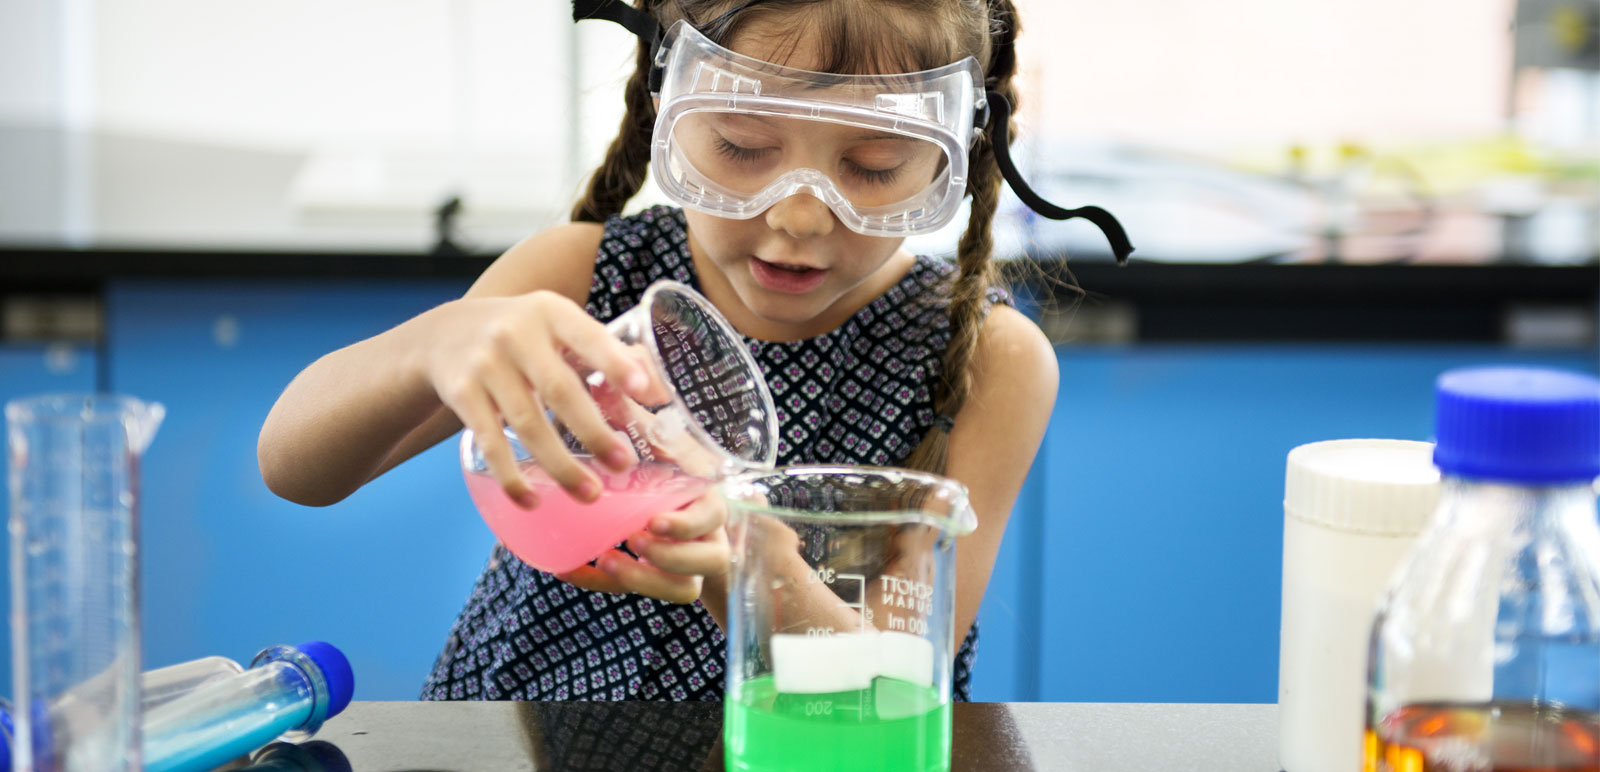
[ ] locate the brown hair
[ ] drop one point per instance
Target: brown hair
(985, 29)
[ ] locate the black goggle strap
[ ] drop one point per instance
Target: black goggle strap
(999, 114)
(634, 20)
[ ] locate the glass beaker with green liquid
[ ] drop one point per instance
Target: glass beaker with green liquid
(841, 616)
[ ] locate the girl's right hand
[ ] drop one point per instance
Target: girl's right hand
(497, 361)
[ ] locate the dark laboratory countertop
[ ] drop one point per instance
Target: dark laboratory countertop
(665, 737)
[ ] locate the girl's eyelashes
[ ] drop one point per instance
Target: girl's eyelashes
(870, 175)
(740, 152)
(856, 170)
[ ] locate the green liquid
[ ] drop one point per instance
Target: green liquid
(893, 726)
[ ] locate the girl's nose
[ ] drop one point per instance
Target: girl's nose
(801, 215)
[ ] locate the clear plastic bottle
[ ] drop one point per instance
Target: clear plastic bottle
(156, 687)
(1485, 649)
(164, 684)
(287, 692)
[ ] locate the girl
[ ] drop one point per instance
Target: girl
(803, 139)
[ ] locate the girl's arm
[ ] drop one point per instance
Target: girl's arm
(996, 435)
(363, 409)
(500, 354)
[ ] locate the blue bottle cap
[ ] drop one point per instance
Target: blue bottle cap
(335, 671)
(1519, 424)
(7, 731)
(8, 735)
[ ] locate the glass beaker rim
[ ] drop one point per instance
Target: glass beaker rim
(648, 330)
(76, 406)
(960, 522)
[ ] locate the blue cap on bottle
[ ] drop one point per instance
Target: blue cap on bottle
(335, 672)
(7, 731)
(1518, 423)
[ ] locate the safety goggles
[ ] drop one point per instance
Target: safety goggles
(888, 153)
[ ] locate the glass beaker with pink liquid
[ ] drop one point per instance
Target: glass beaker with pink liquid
(711, 416)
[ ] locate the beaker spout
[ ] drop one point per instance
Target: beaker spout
(141, 420)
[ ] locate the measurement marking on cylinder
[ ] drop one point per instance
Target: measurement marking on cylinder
(861, 597)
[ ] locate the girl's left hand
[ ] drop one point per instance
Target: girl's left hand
(677, 552)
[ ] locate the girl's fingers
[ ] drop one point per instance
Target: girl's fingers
(619, 412)
(696, 519)
(656, 391)
(600, 350)
(559, 388)
(705, 556)
(645, 579)
(477, 413)
(550, 452)
(591, 578)
(617, 572)
(523, 409)
(515, 401)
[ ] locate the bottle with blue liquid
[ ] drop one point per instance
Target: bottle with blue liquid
(202, 714)
(288, 692)
(1485, 649)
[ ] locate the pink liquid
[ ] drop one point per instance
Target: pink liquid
(562, 534)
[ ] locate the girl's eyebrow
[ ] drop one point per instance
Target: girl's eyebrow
(734, 119)
(881, 135)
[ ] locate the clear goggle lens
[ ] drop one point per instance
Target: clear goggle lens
(742, 163)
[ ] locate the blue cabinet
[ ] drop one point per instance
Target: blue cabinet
(1143, 562)
(229, 568)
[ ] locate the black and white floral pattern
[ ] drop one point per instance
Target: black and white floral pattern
(861, 394)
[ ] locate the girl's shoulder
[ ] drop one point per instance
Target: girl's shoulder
(594, 263)
(560, 259)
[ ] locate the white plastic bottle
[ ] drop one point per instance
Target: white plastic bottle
(1351, 510)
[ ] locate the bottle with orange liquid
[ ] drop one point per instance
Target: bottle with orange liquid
(1485, 650)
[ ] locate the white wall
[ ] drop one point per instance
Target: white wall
(30, 61)
(396, 101)
(1204, 73)
(299, 72)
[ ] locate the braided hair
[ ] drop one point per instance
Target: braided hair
(985, 29)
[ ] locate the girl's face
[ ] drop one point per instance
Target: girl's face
(794, 270)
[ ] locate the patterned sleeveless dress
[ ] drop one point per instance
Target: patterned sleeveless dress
(861, 394)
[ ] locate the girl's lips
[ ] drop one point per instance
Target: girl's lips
(787, 280)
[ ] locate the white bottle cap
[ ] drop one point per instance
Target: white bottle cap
(1379, 487)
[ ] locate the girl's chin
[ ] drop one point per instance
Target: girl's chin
(782, 308)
